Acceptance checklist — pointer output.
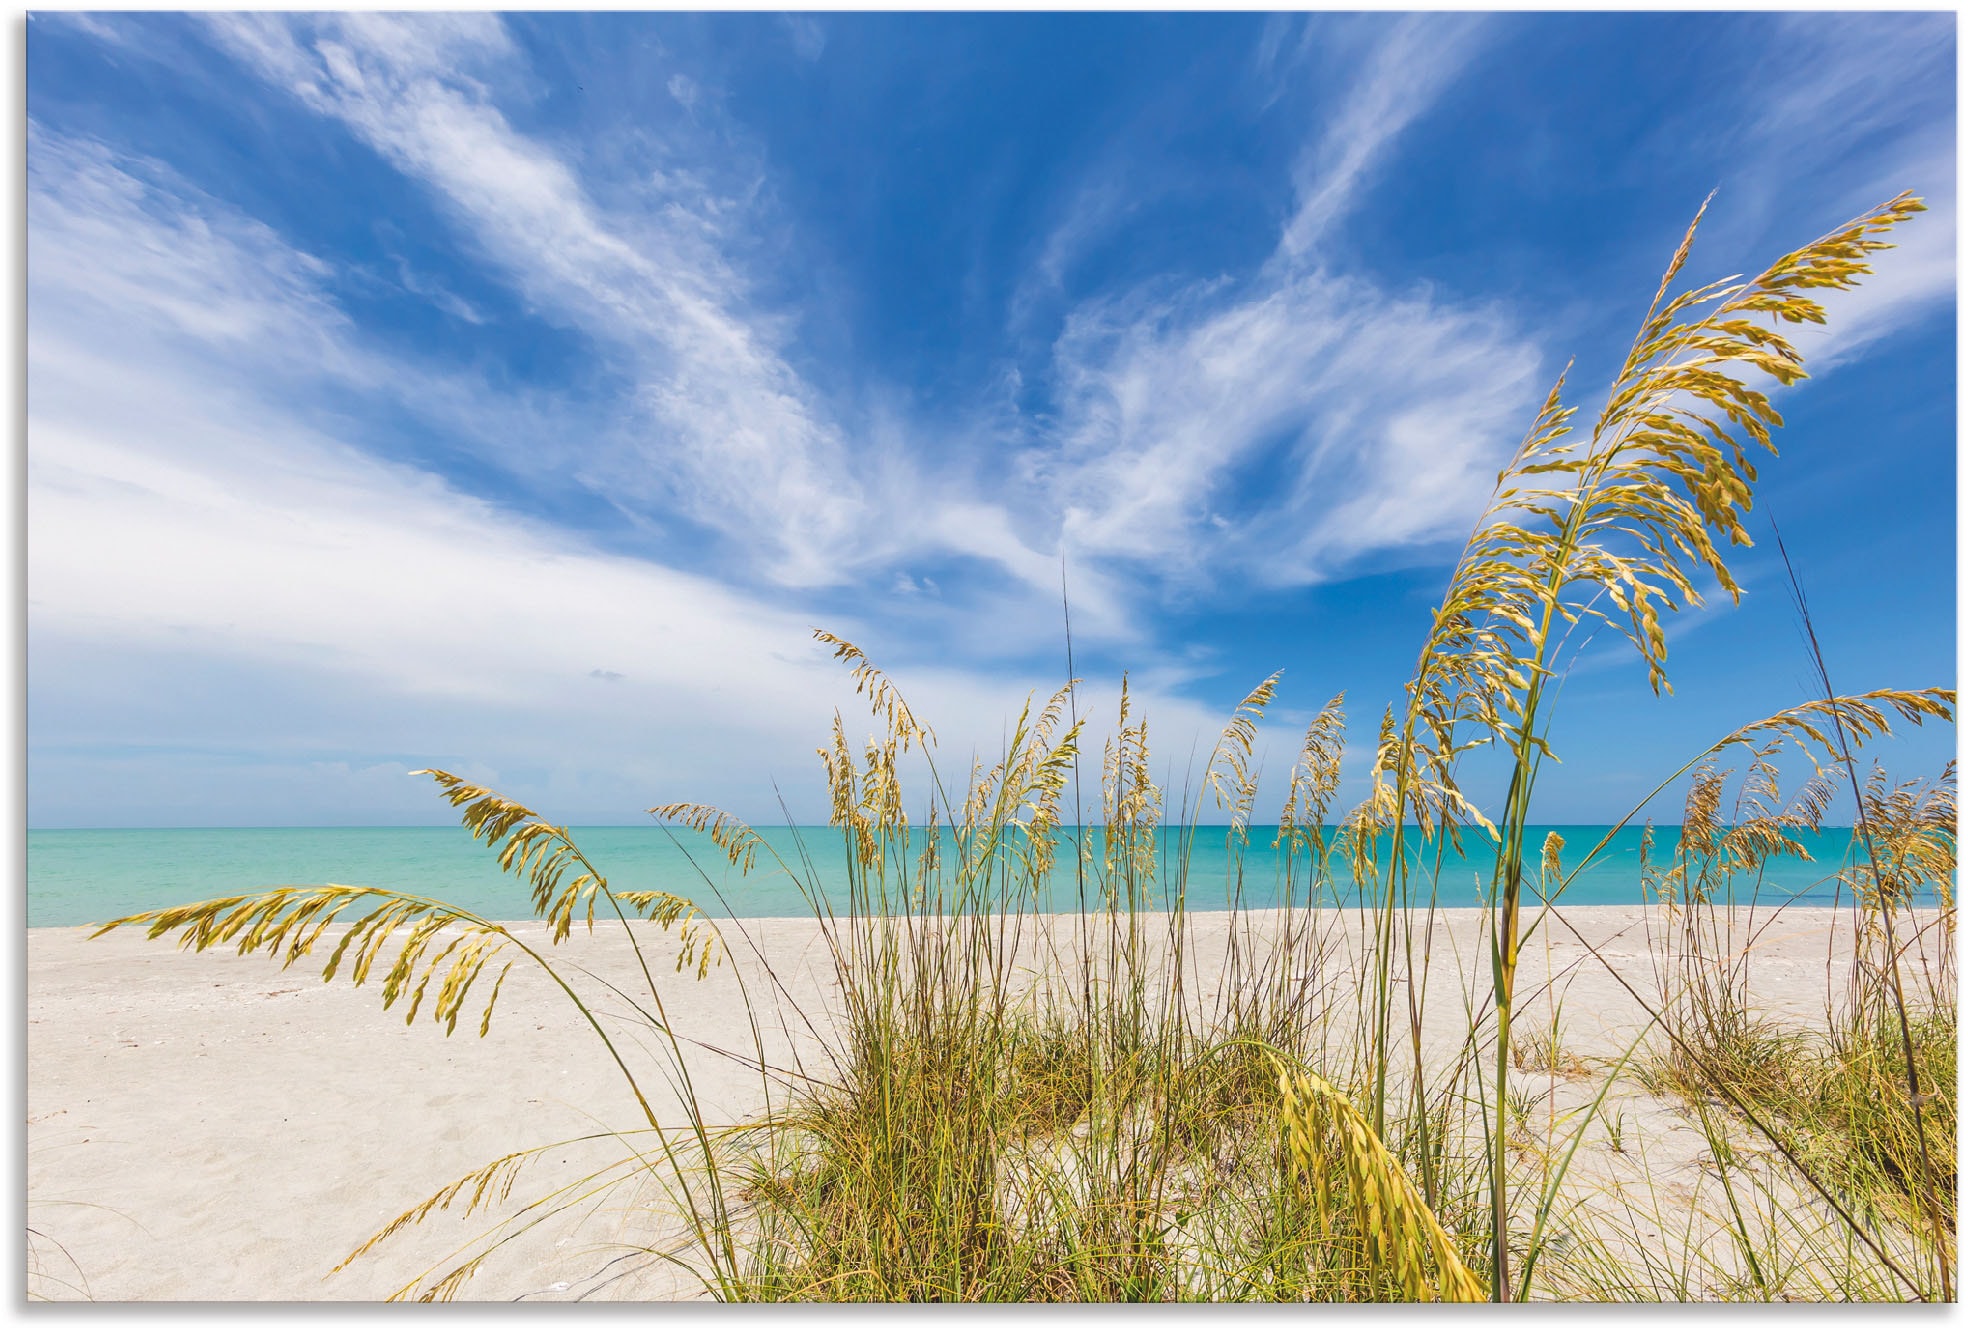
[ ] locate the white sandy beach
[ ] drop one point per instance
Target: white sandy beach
(211, 1127)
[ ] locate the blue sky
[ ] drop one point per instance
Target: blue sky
(514, 394)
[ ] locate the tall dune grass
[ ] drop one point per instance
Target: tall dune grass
(1110, 1105)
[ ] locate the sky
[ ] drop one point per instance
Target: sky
(515, 394)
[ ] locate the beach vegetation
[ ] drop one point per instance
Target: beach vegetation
(1313, 1101)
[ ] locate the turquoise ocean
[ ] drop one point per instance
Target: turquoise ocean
(76, 877)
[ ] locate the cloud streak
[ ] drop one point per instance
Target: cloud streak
(1367, 421)
(719, 426)
(1846, 90)
(735, 434)
(1403, 73)
(210, 565)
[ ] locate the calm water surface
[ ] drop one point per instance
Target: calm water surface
(76, 877)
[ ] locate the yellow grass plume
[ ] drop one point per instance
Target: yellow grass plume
(1314, 780)
(1404, 1237)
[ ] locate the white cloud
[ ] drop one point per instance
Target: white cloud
(227, 598)
(1098, 206)
(363, 608)
(1283, 427)
(110, 34)
(1842, 113)
(120, 245)
(735, 434)
(437, 293)
(1845, 100)
(725, 430)
(129, 260)
(1364, 420)
(1403, 73)
(1835, 79)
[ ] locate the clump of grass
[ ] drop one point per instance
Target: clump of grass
(1025, 1165)
(1754, 1058)
(1850, 1107)
(1841, 1095)
(1095, 1132)
(1616, 1132)
(1704, 959)
(1546, 1052)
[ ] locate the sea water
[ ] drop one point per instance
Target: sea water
(77, 877)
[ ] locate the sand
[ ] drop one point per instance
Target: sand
(211, 1127)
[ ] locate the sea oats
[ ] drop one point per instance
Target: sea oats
(1403, 1234)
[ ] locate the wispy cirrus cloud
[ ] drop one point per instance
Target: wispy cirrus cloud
(1401, 75)
(1097, 206)
(212, 561)
(1839, 80)
(1848, 87)
(733, 433)
(133, 265)
(118, 235)
(1284, 426)
(1298, 423)
(719, 425)
(1829, 116)
(1286, 434)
